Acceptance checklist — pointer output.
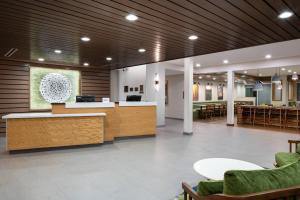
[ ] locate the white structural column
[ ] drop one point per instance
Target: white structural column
(188, 96)
(155, 89)
(230, 98)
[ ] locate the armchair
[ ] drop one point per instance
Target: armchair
(265, 184)
(284, 158)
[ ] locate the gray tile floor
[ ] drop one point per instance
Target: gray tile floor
(145, 168)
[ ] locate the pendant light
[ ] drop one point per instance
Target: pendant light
(276, 78)
(279, 86)
(258, 86)
(295, 76)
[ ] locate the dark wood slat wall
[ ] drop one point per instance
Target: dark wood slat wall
(15, 86)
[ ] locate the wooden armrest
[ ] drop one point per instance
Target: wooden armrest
(271, 194)
(294, 141)
(191, 193)
(291, 142)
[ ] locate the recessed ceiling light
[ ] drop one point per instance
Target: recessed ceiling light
(200, 77)
(198, 65)
(245, 72)
(108, 58)
(142, 50)
(86, 64)
(57, 51)
(214, 78)
(85, 39)
(193, 37)
(41, 59)
(285, 15)
(131, 17)
(225, 61)
(289, 71)
(268, 56)
(283, 69)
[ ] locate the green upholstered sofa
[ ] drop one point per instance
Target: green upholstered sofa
(284, 158)
(266, 184)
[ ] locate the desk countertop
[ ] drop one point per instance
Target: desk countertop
(49, 115)
(90, 105)
(136, 103)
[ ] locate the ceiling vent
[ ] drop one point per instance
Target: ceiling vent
(10, 52)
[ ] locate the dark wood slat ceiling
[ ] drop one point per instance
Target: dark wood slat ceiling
(37, 27)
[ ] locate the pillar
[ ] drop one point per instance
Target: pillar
(230, 98)
(188, 96)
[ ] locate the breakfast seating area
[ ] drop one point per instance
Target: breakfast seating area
(273, 116)
(210, 110)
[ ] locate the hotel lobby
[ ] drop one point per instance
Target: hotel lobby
(154, 100)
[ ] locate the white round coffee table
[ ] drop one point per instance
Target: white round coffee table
(214, 168)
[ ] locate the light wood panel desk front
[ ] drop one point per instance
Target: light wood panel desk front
(120, 121)
(44, 130)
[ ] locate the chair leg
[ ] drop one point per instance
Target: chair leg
(185, 195)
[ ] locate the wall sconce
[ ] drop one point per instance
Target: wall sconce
(156, 82)
(208, 86)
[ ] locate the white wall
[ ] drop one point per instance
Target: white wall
(152, 94)
(239, 90)
(132, 77)
(114, 85)
(175, 106)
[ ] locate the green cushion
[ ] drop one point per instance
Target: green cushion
(209, 187)
(284, 158)
(238, 182)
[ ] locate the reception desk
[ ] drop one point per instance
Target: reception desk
(80, 124)
(123, 119)
(44, 130)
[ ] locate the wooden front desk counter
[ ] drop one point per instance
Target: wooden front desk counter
(123, 119)
(44, 130)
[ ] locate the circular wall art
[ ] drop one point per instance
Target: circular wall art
(55, 88)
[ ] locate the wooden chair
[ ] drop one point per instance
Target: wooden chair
(291, 118)
(223, 110)
(280, 194)
(209, 111)
(245, 114)
(260, 115)
(276, 117)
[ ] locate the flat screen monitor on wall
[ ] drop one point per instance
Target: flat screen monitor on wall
(133, 98)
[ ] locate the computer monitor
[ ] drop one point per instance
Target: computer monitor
(85, 98)
(133, 98)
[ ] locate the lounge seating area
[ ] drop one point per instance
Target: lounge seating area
(282, 182)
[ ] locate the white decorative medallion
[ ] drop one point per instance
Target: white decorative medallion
(55, 88)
